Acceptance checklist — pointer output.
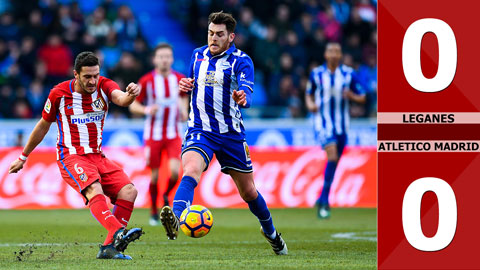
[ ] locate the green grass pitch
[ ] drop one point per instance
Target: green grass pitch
(68, 239)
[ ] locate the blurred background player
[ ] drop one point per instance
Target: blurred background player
(164, 106)
(220, 80)
(79, 107)
(329, 89)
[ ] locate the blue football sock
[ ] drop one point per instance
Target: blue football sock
(184, 195)
(259, 208)
(329, 174)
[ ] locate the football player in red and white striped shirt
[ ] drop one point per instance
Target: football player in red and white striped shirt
(164, 106)
(79, 107)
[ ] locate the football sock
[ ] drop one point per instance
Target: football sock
(259, 208)
(98, 207)
(171, 185)
(123, 211)
(153, 190)
(329, 174)
(184, 195)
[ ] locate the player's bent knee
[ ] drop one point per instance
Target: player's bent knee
(92, 190)
(128, 192)
(193, 170)
(249, 194)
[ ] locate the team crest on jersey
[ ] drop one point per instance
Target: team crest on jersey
(83, 177)
(210, 78)
(48, 106)
(98, 104)
(247, 151)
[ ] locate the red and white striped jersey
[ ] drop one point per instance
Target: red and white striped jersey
(164, 92)
(79, 117)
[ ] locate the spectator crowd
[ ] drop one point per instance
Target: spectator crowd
(285, 38)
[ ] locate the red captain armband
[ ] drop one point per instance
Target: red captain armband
(23, 157)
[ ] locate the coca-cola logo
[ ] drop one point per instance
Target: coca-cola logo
(292, 180)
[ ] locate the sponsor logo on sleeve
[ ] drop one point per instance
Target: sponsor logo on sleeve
(244, 80)
(48, 106)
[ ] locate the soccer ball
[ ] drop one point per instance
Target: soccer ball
(196, 221)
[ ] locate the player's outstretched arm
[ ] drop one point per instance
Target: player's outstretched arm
(359, 98)
(35, 138)
(126, 98)
(138, 108)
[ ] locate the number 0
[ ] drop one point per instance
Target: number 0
(447, 55)
(447, 214)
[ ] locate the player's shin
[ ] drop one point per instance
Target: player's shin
(123, 211)
(184, 195)
(98, 207)
(329, 174)
(259, 208)
(153, 191)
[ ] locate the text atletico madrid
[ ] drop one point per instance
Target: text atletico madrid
(427, 146)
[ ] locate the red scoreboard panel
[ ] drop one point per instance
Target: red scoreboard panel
(428, 134)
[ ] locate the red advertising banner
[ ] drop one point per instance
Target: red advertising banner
(428, 135)
(291, 177)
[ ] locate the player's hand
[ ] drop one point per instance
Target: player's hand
(240, 97)
(151, 110)
(348, 94)
(312, 108)
(133, 89)
(16, 166)
(186, 84)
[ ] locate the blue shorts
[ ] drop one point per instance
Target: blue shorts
(232, 154)
(339, 140)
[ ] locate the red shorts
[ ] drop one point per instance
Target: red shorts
(80, 171)
(153, 151)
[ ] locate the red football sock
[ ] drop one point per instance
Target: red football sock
(99, 209)
(123, 211)
(153, 190)
(171, 184)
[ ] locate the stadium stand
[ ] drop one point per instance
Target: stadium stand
(285, 38)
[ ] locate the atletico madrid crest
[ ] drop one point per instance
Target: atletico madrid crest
(98, 104)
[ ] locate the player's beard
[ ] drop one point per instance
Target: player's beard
(85, 87)
(220, 47)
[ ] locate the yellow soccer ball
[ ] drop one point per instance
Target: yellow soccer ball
(196, 221)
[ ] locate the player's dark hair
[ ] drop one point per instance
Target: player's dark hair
(223, 18)
(162, 45)
(333, 43)
(85, 59)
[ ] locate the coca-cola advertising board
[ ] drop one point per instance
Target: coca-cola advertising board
(286, 177)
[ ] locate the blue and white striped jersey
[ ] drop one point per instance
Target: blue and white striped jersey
(333, 115)
(212, 106)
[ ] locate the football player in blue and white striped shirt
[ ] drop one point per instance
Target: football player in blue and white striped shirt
(330, 88)
(220, 80)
